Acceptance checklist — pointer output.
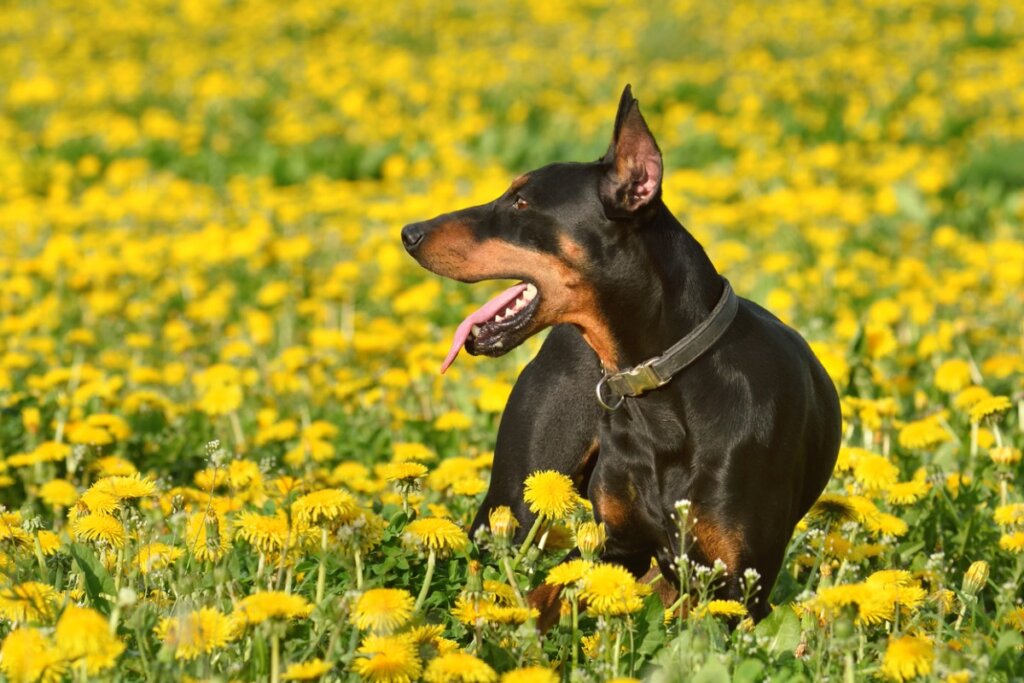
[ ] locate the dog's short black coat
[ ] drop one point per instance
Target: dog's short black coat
(749, 433)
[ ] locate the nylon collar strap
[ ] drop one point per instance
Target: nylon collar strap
(655, 372)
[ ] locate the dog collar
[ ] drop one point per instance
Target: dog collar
(655, 372)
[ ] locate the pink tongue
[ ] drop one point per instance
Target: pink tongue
(480, 316)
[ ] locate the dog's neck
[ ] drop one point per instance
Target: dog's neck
(672, 286)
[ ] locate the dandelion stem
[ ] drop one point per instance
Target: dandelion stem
(506, 562)
(40, 558)
(236, 429)
(431, 561)
(575, 602)
(528, 542)
(359, 570)
(615, 651)
(321, 577)
(275, 657)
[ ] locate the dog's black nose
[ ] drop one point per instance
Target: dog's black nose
(412, 236)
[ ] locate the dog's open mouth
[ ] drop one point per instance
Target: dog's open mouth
(497, 326)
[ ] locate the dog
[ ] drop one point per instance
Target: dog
(700, 395)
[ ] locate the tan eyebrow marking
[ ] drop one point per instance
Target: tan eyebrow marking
(519, 182)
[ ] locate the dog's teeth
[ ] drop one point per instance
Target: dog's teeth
(498, 318)
(530, 292)
(475, 330)
(499, 345)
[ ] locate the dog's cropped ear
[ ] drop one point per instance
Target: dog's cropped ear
(634, 162)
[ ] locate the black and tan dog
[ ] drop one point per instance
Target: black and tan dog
(701, 395)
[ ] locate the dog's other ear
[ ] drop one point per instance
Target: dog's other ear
(634, 162)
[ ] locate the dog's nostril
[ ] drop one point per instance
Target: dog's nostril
(412, 235)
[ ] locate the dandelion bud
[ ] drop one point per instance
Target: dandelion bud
(474, 582)
(975, 578)
(590, 539)
(503, 523)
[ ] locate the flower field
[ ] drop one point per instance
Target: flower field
(226, 452)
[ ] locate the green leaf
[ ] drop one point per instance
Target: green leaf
(98, 582)
(781, 628)
(650, 631)
(749, 671)
(712, 672)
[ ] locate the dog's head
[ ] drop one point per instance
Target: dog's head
(556, 230)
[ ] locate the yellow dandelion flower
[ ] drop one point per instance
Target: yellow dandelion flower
(988, 407)
(51, 451)
(568, 573)
(265, 605)
(722, 608)
(388, 659)
(383, 610)
(1012, 542)
(907, 492)
(84, 634)
(58, 493)
(469, 487)
(29, 601)
(833, 508)
(509, 614)
(453, 420)
(953, 375)
(459, 667)
(1008, 515)
(436, 534)
(307, 671)
(122, 487)
(10, 529)
(28, 656)
(1004, 455)
(875, 472)
(1015, 618)
(591, 645)
(550, 494)
(195, 633)
(87, 435)
(530, 674)
(404, 452)
(327, 506)
(610, 590)
(908, 657)
(502, 592)
(221, 399)
(207, 536)
(99, 502)
(266, 533)
(49, 542)
(924, 433)
(403, 471)
(156, 556)
(471, 610)
(891, 577)
(99, 528)
(969, 396)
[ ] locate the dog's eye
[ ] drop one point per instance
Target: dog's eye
(519, 203)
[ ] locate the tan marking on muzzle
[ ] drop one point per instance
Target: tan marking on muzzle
(451, 250)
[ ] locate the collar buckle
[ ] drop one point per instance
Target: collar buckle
(638, 379)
